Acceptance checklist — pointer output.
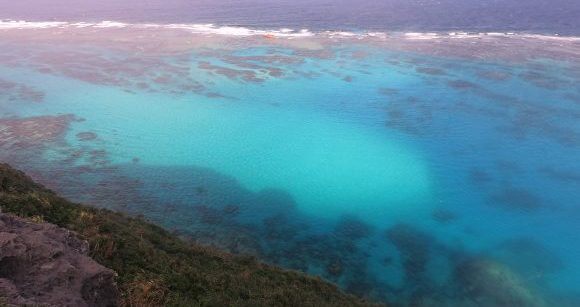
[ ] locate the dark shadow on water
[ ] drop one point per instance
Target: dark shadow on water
(478, 176)
(415, 248)
(443, 216)
(529, 257)
(561, 175)
(517, 199)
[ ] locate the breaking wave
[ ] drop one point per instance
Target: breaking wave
(212, 29)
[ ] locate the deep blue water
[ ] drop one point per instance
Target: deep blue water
(555, 16)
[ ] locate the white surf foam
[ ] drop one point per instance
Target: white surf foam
(211, 29)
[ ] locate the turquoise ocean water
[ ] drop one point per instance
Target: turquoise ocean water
(385, 171)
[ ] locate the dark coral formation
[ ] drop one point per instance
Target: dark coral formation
(478, 176)
(409, 115)
(24, 133)
(494, 75)
(352, 228)
(461, 84)
(16, 92)
(231, 73)
(443, 216)
(529, 257)
(513, 198)
(488, 283)
(128, 71)
(562, 175)
(432, 71)
(43, 264)
(540, 79)
(472, 280)
(86, 136)
(414, 247)
(515, 116)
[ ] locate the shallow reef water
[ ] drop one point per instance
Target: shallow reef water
(417, 170)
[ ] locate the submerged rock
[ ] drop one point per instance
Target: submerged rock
(86, 136)
(489, 283)
(352, 228)
(529, 257)
(43, 264)
(414, 246)
(443, 216)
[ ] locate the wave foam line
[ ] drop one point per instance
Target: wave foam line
(194, 28)
(212, 29)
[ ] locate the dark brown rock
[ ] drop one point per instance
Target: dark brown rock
(42, 264)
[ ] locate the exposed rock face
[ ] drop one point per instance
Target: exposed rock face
(41, 263)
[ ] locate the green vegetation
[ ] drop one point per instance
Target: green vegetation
(158, 269)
